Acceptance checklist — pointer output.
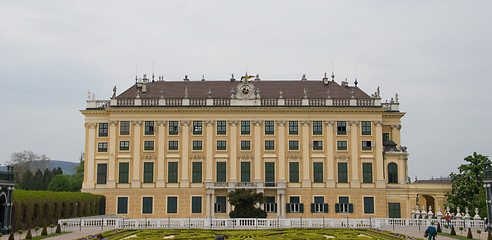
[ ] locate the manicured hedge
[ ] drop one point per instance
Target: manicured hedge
(42, 208)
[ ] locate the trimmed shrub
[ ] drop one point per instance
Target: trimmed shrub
(58, 230)
(28, 234)
(489, 236)
(453, 232)
(469, 235)
(11, 236)
(44, 232)
(439, 227)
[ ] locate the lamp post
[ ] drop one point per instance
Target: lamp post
(487, 183)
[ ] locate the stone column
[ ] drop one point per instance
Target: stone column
(281, 151)
(184, 154)
(395, 134)
(401, 170)
(112, 154)
(233, 159)
(212, 206)
(136, 154)
(161, 142)
(306, 146)
(90, 155)
(330, 151)
(380, 181)
(354, 145)
(207, 200)
(257, 166)
(279, 204)
(209, 151)
(283, 204)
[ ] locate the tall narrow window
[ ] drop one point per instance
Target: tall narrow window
(147, 205)
(245, 172)
(341, 145)
(221, 145)
(245, 127)
(103, 129)
(197, 127)
(317, 128)
(270, 205)
(269, 145)
(366, 172)
(123, 172)
(392, 173)
(368, 204)
(197, 145)
(293, 127)
(102, 169)
(342, 172)
(122, 205)
(197, 172)
(245, 145)
(221, 171)
(269, 128)
(102, 147)
(394, 210)
(365, 127)
(293, 145)
(293, 172)
(149, 127)
(317, 145)
(148, 172)
(149, 145)
(269, 174)
(172, 172)
(173, 145)
(173, 128)
(366, 145)
(124, 145)
(341, 128)
(124, 128)
(220, 204)
(172, 204)
(386, 137)
(318, 172)
(221, 128)
(196, 204)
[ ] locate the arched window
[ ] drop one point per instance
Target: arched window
(392, 173)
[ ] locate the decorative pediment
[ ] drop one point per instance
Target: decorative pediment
(245, 90)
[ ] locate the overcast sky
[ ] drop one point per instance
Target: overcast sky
(437, 55)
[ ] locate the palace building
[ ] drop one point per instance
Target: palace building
(314, 148)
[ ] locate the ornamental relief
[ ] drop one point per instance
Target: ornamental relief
(245, 158)
(148, 157)
(294, 158)
(197, 158)
(342, 158)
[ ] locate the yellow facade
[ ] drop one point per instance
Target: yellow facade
(150, 175)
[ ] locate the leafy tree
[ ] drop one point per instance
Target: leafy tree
(27, 161)
(244, 202)
(60, 183)
(26, 181)
(47, 176)
(38, 180)
(467, 189)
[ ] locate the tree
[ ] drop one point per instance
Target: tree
(244, 202)
(26, 182)
(38, 180)
(60, 183)
(27, 161)
(467, 189)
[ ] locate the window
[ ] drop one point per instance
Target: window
(269, 174)
(294, 172)
(245, 128)
(122, 205)
(293, 127)
(124, 128)
(368, 204)
(196, 204)
(319, 205)
(221, 145)
(148, 172)
(147, 204)
(386, 137)
(173, 128)
(318, 172)
(365, 128)
(197, 145)
(394, 210)
(392, 173)
(293, 145)
(269, 145)
(221, 171)
(196, 172)
(124, 145)
(103, 129)
(220, 204)
(366, 145)
(341, 128)
(123, 172)
(342, 172)
(317, 128)
(343, 205)
(341, 145)
(149, 145)
(366, 172)
(295, 206)
(102, 147)
(172, 172)
(269, 128)
(245, 145)
(149, 127)
(270, 205)
(197, 127)
(317, 145)
(172, 204)
(173, 145)
(102, 169)
(221, 128)
(245, 171)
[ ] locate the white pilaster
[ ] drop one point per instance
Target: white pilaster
(330, 166)
(306, 146)
(161, 131)
(136, 154)
(354, 137)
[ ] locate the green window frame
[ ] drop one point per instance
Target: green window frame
(366, 172)
(394, 210)
(102, 171)
(172, 204)
(317, 145)
(196, 172)
(221, 145)
(294, 172)
(386, 137)
(365, 127)
(293, 145)
(220, 204)
(341, 128)
(197, 145)
(148, 172)
(366, 145)
(245, 145)
(124, 145)
(294, 206)
(102, 129)
(392, 173)
(269, 145)
(270, 206)
(123, 172)
(269, 174)
(318, 172)
(172, 172)
(245, 171)
(221, 128)
(197, 127)
(149, 127)
(317, 128)
(319, 205)
(221, 171)
(149, 145)
(125, 128)
(245, 127)
(196, 204)
(341, 145)
(269, 127)
(369, 205)
(293, 127)
(342, 172)
(173, 145)
(343, 205)
(122, 205)
(102, 147)
(147, 205)
(173, 127)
